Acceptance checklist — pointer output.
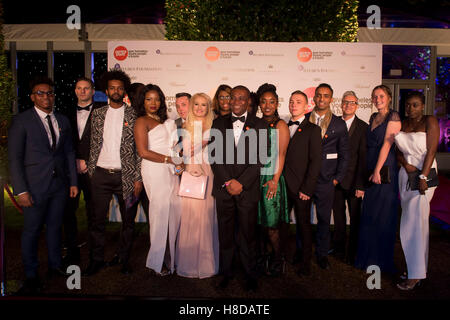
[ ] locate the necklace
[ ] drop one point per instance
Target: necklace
(154, 116)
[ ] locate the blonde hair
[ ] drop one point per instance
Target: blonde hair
(191, 118)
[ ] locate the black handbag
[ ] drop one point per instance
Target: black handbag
(385, 175)
(413, 180)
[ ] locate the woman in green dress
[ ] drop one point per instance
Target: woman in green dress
(273, 206)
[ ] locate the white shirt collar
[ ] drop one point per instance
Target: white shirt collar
(43, 114)
(242, 115)
(300, 120)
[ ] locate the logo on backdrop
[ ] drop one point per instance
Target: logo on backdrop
(120, 53)
(212, 54)
(304, 54)
(310, 93)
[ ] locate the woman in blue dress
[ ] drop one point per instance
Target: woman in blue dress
(380, 205)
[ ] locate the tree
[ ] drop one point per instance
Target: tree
(6, 99)
(262, 20)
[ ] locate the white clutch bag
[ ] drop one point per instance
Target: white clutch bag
(192, 186)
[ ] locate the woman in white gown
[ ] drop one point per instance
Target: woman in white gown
(155, 137)
(417, 143)
(197, 253)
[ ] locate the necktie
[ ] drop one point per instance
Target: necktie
(318, 121)
(233, 119)
(84, 108)
(52, 131)
(291, 123)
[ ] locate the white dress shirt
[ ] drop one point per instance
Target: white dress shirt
(349, 122)
(319, 119)
(82, 117)
(238, 127)
(109, 157)
(43, 116)
(293, 128)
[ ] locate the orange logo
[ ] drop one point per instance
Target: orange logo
(212, 53)
(310, 93)
(304, 54)
(120, 53)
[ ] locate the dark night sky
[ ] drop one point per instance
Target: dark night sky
(423, 13)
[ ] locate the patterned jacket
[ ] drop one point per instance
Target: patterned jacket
(130, 160)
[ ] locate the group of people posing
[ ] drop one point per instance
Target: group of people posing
(139, 155)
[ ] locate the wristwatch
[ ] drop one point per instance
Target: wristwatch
(422, 177)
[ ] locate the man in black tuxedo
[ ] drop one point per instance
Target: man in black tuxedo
(301, 170)
(335, 156)
(236, 167)
(351, 188)
(43, 175)
(80, 121)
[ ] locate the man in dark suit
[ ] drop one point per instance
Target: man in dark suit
(236, 169)
(43, 175)
(351, 188)
(80, 120)
(182, 105)
(114, 168)
(301, 170)
(335, 158)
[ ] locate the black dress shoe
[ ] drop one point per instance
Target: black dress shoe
(115, 261)
(304, 270)
(31, 286)
(251, 284)
(56, 272)
(223, 284)
(93, 268)
(126, 269)
(323, 263)
(298, 257)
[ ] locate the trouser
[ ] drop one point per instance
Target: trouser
(342, 196)
(48, 209)
(105, 185)
(323, 198)
(237, 220)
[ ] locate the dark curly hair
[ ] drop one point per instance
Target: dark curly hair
(115, 74)
(41, 80)
(416, 94)
(140, 105)
(267, 87)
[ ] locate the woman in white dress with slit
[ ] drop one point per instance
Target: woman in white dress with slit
(155, 137)
(417, 143)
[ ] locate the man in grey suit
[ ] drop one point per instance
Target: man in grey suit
(43, 174)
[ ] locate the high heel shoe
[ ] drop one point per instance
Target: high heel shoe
(408, 286)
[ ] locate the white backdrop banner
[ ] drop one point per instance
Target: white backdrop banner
(194, 66)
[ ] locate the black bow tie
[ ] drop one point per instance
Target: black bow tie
(291, 123)
(84, 108)
(233, 118)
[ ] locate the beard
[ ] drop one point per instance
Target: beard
(116, 98)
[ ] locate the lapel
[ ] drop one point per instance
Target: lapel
(60, 126)
(126, 123)
(352, 127)
(88, 123)
(330, 129)
(100, 124)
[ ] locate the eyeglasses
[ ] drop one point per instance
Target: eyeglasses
(224, 97)
(350, 103)
(42, 93)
